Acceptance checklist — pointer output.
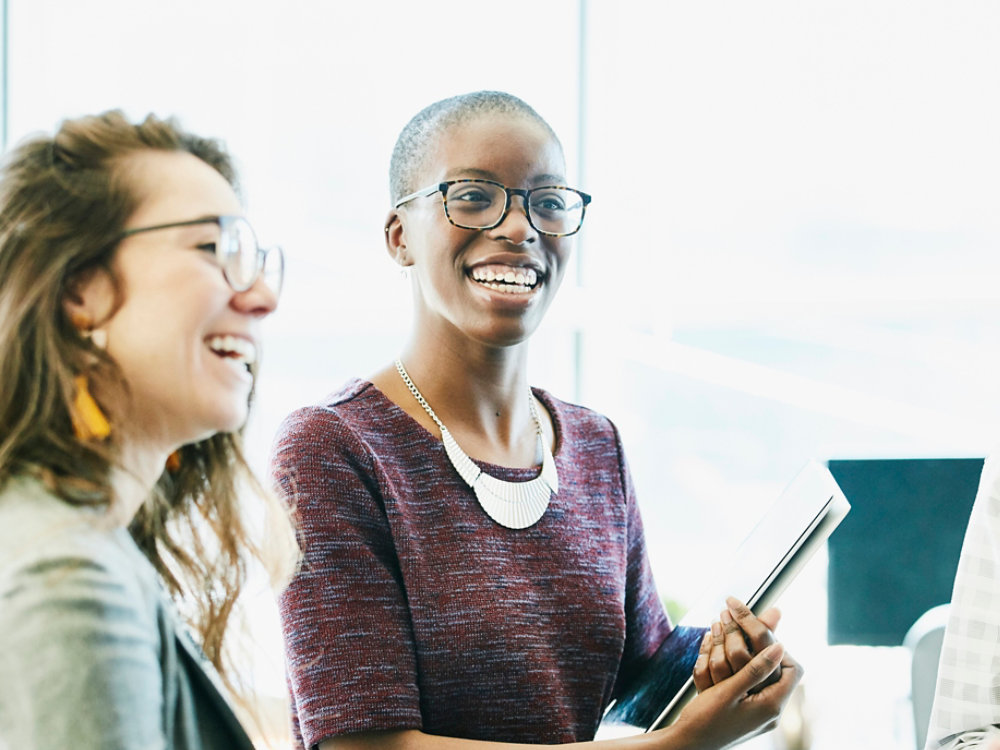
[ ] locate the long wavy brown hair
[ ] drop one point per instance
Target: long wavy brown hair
(64, 201)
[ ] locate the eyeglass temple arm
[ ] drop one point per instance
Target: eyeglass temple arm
(442, 187)
(171, 225)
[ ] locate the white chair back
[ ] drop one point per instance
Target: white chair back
(924, 640)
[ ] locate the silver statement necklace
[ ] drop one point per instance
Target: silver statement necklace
(516, 505)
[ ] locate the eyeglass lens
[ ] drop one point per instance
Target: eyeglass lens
(477, 205)
(242, 260)
(273, 270)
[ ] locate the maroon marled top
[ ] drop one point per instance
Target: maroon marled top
(414, 609)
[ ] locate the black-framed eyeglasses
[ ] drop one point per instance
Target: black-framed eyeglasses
(239, 256)
(553, 210)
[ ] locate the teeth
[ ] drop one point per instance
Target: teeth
(234, 347)
(506, 278)
(508, 288)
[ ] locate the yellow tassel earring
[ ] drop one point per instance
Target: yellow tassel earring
(174, 461)
(89, 422)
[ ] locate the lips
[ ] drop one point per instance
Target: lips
(236, 348)
(505, 278)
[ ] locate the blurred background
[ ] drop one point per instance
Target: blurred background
(792, 252)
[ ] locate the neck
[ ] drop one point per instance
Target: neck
(133, 481)
(478, 389)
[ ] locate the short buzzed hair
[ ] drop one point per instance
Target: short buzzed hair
(418, 136)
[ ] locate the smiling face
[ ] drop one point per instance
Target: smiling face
(182, 338)
(490, 285)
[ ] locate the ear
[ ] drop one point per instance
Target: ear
(89, 298)
(395, 239)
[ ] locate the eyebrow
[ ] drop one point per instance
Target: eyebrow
(540, 179)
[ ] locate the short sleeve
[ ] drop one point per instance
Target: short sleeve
(79, 665)
(646, 621)
(347, 629)
(967, 697)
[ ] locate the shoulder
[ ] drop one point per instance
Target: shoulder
(86, 627)
(341, 409)
(36, 525)
(64, 566)
(359, 415)
(354, 439)
(579, 425)
(573, 413)
(589, 450)
(341, 423)
(358, 411)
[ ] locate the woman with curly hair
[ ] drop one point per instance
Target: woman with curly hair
(131, 295)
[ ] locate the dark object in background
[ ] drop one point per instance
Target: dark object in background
(895, 555)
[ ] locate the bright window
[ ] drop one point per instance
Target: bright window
(792, 251)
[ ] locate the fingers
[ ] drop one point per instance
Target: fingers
(776, 688)
(757, 632)
(730, 644)
(788, 664)
(770, 617)
(732, 710)
(737, 653)
(718, 663)
(701, 675)
(759, 669)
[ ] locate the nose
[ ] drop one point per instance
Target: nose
(515, 227)
(260, 300)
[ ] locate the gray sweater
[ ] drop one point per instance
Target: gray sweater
(91, 653)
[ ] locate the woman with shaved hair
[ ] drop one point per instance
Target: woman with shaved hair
(475, 569)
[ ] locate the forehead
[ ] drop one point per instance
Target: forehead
(512, 148)
(176, 185)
